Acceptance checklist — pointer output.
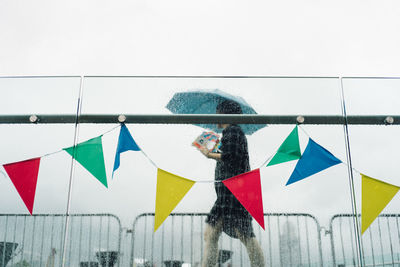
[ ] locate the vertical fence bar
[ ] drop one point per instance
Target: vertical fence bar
(152, 248)
(362, 248)
(380, 239)
(260, 238)
(14, 238)
(71, 231)
(398, 234)
(231, 244)
(172, 237)
(332, 241)
(41, 247)
(61, 238)
(269, 240)
(132, 259)
(242, 253)
(5, 239)
(289, 239)
(279, 241)
(319, 241)
(308, 242)
(33, 239)
(372, 247)
(52, 233)
(90, 237)
(100, 232)
(119, 238)
(390, 240)
(108, 234)
(80, 239)
(201, 237)
(299, 234)
(144, 238)
(351, 242)
(191, 240)
(23, 240)
(182, 229)
(341, 240)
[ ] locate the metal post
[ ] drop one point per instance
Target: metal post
(351, 178)
(72, 171)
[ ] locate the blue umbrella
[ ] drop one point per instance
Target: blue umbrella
(205, 102)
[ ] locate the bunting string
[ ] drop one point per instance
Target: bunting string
(156, 166)
(199, 181)
(343, 162)
(61, 150)
(172, 188)
(146, 156)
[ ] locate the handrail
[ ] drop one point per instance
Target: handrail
(201, 118)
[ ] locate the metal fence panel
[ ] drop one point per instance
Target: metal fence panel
(380, 242)
(40, 238)
(288, 240)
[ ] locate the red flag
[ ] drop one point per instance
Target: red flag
(246, 187)
(24, 175)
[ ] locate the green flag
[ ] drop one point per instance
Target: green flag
(90, 155)
(289, 150)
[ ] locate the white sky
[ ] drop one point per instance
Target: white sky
(200, 38)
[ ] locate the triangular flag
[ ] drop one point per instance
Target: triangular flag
(375, 196)
(289, 150)
(90, 155)
(314, 159)
(171, 189)
(246, 187)
(125, 143)
(24, 176)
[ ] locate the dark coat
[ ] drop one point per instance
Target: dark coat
(234, 161)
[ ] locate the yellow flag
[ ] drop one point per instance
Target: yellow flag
(375, 196)
(171, 189)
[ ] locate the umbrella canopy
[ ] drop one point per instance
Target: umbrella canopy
(205, 102)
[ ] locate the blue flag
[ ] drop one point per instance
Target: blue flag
(125, 143)
(314, 159)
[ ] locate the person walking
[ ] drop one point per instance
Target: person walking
(228, 214)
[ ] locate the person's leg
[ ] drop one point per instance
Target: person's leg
(254, 250)
(211, 236)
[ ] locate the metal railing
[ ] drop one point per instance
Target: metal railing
(380, 242)
(201, 118)
(289, 239)
(40, 238)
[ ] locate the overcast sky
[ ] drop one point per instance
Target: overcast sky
(200, 38)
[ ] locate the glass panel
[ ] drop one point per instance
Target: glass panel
(36, 236)
(278, 96)
(295, 215)
(373, 151)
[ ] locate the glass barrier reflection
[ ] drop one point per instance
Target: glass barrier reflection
(35, 172)
(373, 153)
(296, 216)
(307, 202)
